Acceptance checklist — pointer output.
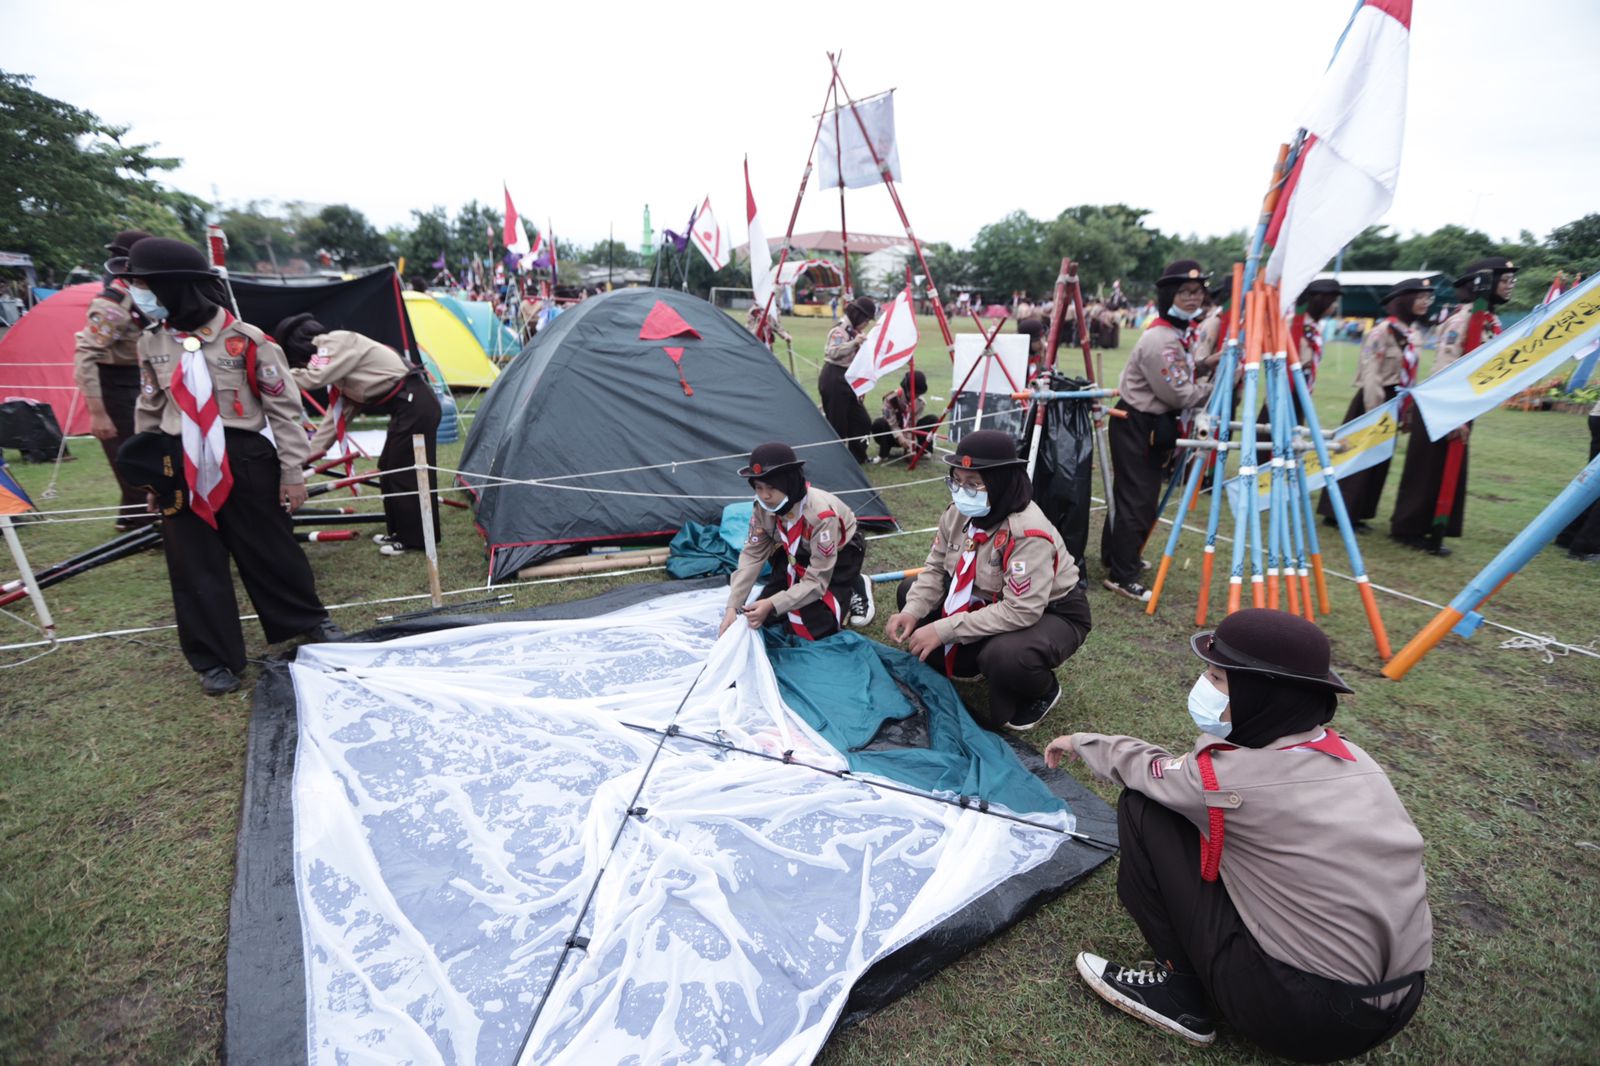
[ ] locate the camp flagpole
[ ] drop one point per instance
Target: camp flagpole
(844, 230)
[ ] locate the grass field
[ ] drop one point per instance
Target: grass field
(120, 783)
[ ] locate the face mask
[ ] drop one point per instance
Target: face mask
(1175, 312)
(973, 503)
(147, 303)
(1206, 705)
(777, 508)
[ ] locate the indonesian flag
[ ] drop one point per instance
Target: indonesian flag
(709, 238)
(205, 453)
(1349, 163)
(887, 348)
(761, 276)
(516, 240)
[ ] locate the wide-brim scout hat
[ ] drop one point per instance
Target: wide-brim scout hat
(863, 306)
(1410, 285)
(985, 450)
(1183, 270)
(1322, 287)
(161, 257)
(1259, 640)
(125, 240)
(769, 458)
(1494, 264)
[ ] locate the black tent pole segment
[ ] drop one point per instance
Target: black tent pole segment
(633, 811)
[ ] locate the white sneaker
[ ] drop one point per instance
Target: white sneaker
(385, 538)
(863, 608)
(392, 547)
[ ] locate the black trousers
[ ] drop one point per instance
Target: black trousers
(843, 409)
(1582, 535)
(884, 436)
(1364, 489)
(119, 391)
(815, 616)
(1194, 926)
(1019, 666)
(255, 530)
(1138, 476)
(1420, 481)
(414, 409)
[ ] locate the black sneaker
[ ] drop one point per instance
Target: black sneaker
(1031, 715)
(1176, 1004)
(324, 632)
(863, 608)
(1417, 542)
(1131, 589)
(218, 680)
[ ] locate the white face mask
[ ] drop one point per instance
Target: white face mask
(777, 508)
(973, 503)
(1177, 312)
(1206, 706)
(148, 305)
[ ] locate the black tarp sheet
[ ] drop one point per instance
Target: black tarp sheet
(266, 1005)
(1063, 478)
(370, 305)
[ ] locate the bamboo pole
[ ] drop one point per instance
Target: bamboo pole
(419, 449)
(592, 564)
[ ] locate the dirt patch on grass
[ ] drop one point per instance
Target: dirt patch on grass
(1397, 738)
(1577, 744)
(1489, 497)
(99, 1026)
(1471, 909)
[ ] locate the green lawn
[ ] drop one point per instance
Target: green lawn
(120, 784)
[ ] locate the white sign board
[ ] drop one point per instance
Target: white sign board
(1011, 352)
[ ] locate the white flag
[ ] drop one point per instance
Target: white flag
(842, 152)
(760, 252)
(887, 348)
(707, 236)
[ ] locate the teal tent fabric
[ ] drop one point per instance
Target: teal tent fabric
(699, 551)
(478, 316)
(846, 687)
(736, 523)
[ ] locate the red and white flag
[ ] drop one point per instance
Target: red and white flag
(707, 236)
(1345, 176)
(887, 348)
(516, 239)
(761, 276)
(205, 453)
(1556, 289)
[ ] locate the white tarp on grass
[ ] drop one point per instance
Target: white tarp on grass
(456, 794)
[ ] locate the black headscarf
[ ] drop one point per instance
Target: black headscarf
(1267, 708)
(297, 336)
(1009, 492)
(190, 302)
(791, 481)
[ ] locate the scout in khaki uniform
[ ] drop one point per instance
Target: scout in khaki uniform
(219, 390)
(1484, 285)
(840, 404)
(999, 596)
(105, 367)
(905, 420)
(1271, 868)
(814, 546)
(1388, 364)
(365, 377)
(1161, 381)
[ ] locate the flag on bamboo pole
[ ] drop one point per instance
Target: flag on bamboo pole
(844, 155)
(1537, 346)
(516, 239)
(1344, 178)
(761, 277)
(887, 348)
(707, 236)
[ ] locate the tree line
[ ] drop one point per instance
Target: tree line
(75, 180)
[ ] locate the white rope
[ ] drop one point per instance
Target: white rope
(1549, 647)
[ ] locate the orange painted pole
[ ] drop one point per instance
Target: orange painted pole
(1369, 602)
(1322, 583)
(1419, 645)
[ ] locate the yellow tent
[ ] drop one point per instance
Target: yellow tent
(450, 343)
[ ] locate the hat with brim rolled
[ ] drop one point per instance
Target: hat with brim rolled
(768, 458)
(161, 257)
(1183, 270)
(1408, 286)
(1272, 643)
(1494, 264)
(985, 450)
(1322, 287)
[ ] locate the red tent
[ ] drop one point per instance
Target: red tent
(36, 356)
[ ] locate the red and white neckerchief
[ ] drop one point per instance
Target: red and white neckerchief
(793, 534)
(1313, 338)
(959, 598)
(1481, 326)
(205, 452)
(1408, 361)
(339, 411)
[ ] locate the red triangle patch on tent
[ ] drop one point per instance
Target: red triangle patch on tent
(663, 322)
(676, 355)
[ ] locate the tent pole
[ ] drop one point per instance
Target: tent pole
(47, 624)
(425, 504)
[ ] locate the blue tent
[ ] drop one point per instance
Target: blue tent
(478, 316)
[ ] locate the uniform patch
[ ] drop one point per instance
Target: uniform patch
(272, 388)
(269, 371)
(1160, 767)
(225, 363)
(1176, 369)
(236, 345)
(1019, 567)
(158, 359)
(1019, 586)
(1452, 337)
(147, 382)
(324, 357)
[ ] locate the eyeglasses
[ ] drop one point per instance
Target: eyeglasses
(974, 485)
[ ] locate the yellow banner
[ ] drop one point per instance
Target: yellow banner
(1574, 322)
(1361, 442)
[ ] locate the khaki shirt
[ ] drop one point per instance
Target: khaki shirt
(1383, 356)
(110, 335)
(842, 344)
(363, 370)
(1209, 337)
(901, 421)
(1319, 855)
(820, 541)
(1160, 375)
(224, 345)
(1017, 575)
(1453, 336)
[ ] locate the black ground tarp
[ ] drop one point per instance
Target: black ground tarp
(370, 305)
(589, 394)
(266, 1006)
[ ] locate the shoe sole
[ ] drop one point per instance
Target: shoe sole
(1035, 723)
(1124, 593)
(1135, 1009)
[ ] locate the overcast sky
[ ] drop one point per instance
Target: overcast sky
(591, 110)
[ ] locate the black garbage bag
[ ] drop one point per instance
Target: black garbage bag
(30, 428)
(1064, 475)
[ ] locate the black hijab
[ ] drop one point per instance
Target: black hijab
(1009, 492)
(791, 481)
(190, 302)
(1268, 708)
